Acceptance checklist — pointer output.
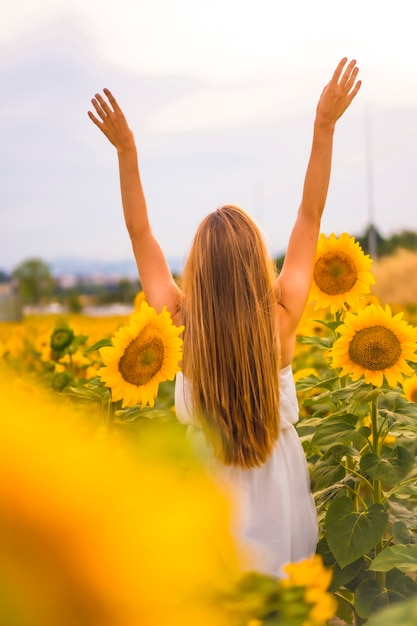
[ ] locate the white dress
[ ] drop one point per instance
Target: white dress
(274, 519)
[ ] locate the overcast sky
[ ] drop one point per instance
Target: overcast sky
(221, 95)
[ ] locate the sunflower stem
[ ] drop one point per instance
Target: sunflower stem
(349, 467)
(377, 486)
(374, 426)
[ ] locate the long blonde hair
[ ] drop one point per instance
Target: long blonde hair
(231, 345)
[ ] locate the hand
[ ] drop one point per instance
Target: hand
(338, 94)
(112, 122)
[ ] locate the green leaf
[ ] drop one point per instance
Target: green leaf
(326, 472)
(358, 391)
(92, 394)
(103, 343)
(405, 586)
(321, 405)
(341, 576)
(344, 609)
(320, 342)
(398, 410)
(391, 467)
(369, 596)
(366, 595)
(131, 414)
(403, 557)
(311, 383)
(404, 614)
(334, 430)
(403, 511)
(406, 490)
(403, 534)
(331, 324)
(360, 438)
(352, 534)
(305, 429)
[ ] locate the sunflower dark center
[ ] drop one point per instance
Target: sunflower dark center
(413, 395)
(375, 348)
(335, 273)
(142, 359)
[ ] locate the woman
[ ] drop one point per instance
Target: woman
(236, 389)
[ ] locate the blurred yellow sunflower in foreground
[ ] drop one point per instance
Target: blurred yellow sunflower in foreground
(144, 354)
(315, 578)
(341, 273)
(375, 344)
(103, 535)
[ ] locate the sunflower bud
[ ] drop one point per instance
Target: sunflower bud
(61, 338)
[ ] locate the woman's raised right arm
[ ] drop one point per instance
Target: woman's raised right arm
(155, 276)
(297, 271)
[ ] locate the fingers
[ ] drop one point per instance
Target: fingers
(349, 77)
(338, 71)
(351, 80)
(102, 108)
(94, 119)
(345, 78)
(98, 103)
(112, 99)
(109, 118)
(355, 91)
(340, 91)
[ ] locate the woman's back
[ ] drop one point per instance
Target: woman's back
(231, 343)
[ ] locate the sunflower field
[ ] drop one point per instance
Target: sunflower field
(98, 525)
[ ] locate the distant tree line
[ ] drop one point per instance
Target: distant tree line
(384, 247)
(35, 283)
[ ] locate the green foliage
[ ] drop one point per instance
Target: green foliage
(351, 534)
(403, 614)
(74, 303)
(390, 466)
(260, 597)
(360, 444)
(34, 280)
(384, 247)
(403, 557)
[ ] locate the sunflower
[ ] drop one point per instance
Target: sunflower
(374, 343)
(315, 578)
(410, 388)
(365, 301)
(341, 273)
(61, 338)
(143, 354)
